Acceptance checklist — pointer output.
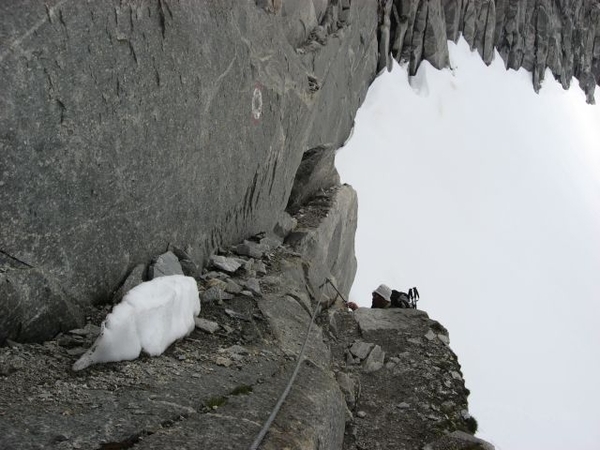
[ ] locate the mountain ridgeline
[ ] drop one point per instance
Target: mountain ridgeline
(141, 138)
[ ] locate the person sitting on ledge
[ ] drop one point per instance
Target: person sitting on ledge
(381, 297)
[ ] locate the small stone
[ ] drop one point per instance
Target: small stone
(227, 329)
(224, 362)
(249, 266)
(445, 339)
(227, 264)
(232, 287)
(260, 268)
(416, 341)
(249, 248)
(210, 275)
(361, 349)
(430, 335)
(270, 243)
(237, 349)
(236, 315)
(361, 414)
(216, 282)
(253, 286)
(60, 438)
(247, 294)
(164, 265)
(284, 225)
(402, 405)
(374, 361)
(207, 326)
(215, 294)
(69, 341)
(77, 351)
(456, 375)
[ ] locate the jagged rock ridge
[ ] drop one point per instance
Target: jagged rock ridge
(563, 36)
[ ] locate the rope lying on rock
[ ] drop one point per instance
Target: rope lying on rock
(285, 393)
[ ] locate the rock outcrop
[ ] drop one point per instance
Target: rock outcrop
(536, 35)
(383, 379)
(130, 128)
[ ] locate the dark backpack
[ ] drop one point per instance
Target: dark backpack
(399, 300)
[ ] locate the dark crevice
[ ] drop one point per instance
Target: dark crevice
(161, 18)
(131, 441)
(14, 262)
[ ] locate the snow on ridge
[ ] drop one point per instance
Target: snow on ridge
(150, 317)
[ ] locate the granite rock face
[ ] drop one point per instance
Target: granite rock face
(536, 35)
(129, 127)
(216, 387)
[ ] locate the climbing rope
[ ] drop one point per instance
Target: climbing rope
(285, 393)
(328, 280)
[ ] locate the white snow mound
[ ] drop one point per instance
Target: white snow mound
(150, 317)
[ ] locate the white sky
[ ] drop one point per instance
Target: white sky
(486, 196)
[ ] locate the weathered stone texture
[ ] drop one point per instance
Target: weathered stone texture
(216, 387)
(128, 126)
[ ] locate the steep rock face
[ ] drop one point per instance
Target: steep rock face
(534, 34)
(371, 379)
(129, 127)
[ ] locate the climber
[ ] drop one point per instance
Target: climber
(400, 299)
(415, 299)
(381, 297)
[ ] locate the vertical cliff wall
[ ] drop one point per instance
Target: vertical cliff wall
(126, 127)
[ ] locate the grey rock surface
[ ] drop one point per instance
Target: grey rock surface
(135, 277)
(459, 440)
(412, 399)
(316, 172)
(208, 326)
(215, 388)
(374, 361)
(229, 265)
(192, 138)
(165, 265)
(334, 212)
(212, 389)
(361, 349)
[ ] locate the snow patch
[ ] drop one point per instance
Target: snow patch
(150, 317)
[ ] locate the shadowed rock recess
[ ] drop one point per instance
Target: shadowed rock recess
(145, 138)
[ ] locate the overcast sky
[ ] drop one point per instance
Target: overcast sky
(486, 196)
